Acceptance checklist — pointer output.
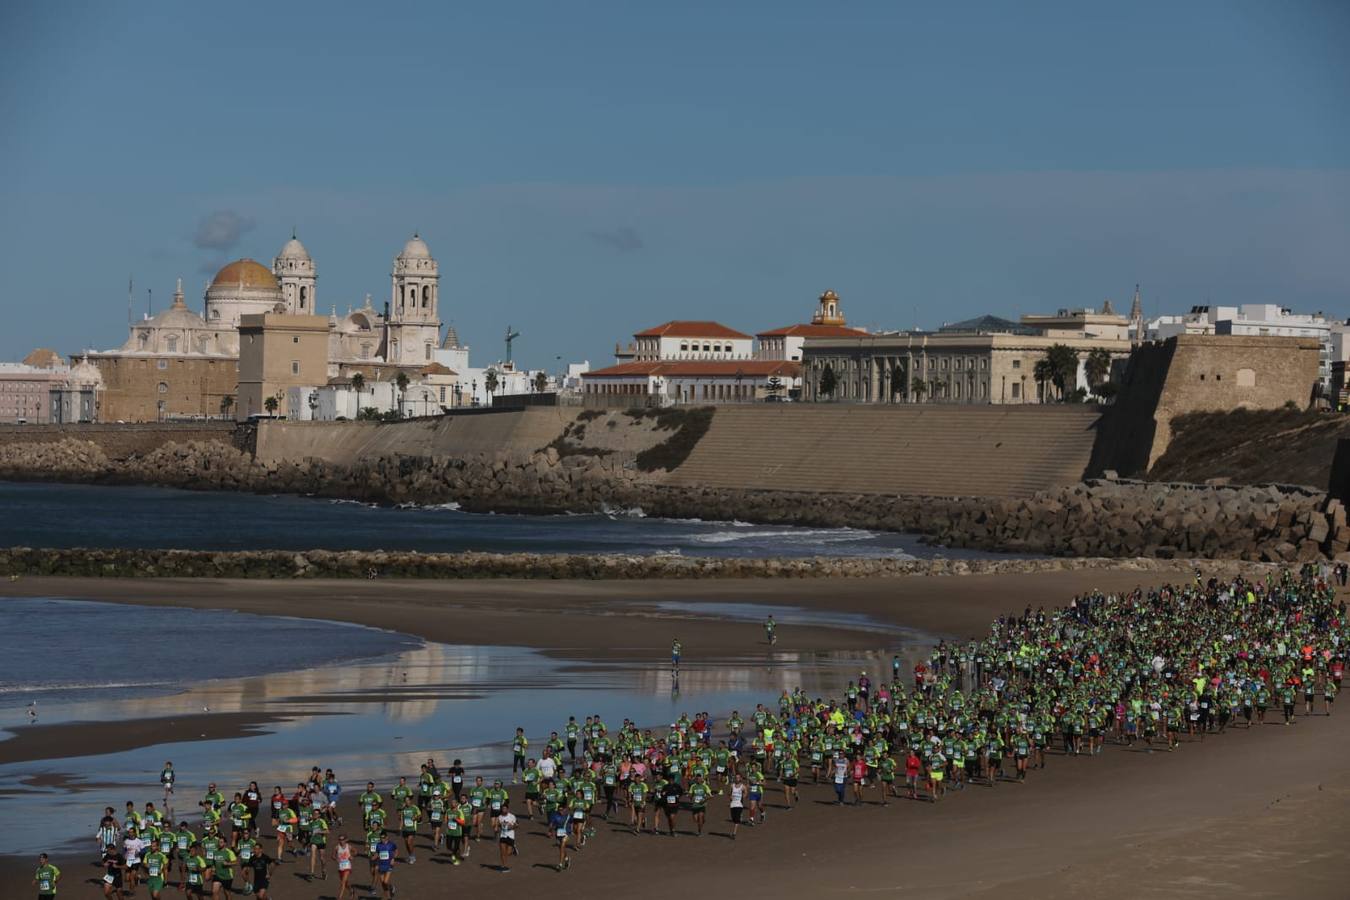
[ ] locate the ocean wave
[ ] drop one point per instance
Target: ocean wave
(632, 512)
(808, 535)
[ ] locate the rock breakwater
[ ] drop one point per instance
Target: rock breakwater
(1097, 518)
(140, 563)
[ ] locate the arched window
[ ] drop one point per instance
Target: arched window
(163, 388)
(304, 295)
(426, 296)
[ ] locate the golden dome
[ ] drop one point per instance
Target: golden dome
(248, 272)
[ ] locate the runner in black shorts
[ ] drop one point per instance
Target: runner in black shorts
(261, 864)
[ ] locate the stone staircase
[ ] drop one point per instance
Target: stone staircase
(918, 449)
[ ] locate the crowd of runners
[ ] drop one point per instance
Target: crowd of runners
(1148, 669)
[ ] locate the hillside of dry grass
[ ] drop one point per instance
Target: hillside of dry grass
(1251, 447)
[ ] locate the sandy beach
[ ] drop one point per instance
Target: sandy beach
(1255, 811)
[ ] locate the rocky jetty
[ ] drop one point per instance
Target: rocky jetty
(1104, 518)
(136, 563)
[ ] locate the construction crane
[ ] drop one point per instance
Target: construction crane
(510, 336)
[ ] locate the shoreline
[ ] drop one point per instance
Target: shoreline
(1121, 825)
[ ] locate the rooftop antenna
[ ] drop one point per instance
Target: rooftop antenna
(149, 302)
(130, 291)
(510, 336)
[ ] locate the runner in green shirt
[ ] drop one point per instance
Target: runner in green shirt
(222, 873)
(318, 843)
(46, 878)
(156, 864)
(368, 800)
(408, 817)
(195, 868)
(698, 802)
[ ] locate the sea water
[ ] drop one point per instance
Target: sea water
(60, 515)
(55, 651)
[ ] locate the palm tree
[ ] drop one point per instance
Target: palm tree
(358, 384)
(270, 404)
(1063, 361)
(1043, 372)
(540, 381)
(226, 404)
(920, 388)
(829, 383)
(491, 383)
(402, 382)
(1097, 366)
(899, 382)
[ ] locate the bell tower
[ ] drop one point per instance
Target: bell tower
(414, 325)
(295, 272)
(829, 312)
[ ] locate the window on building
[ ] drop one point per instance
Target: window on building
(295, 367)
(1016, 391)
(163, 388)
(295, 340)
(162, 364)
(684, 348)
(172, 343)
(1017, 364)
(428, 349)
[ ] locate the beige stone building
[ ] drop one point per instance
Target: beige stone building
(984, 360)
(182, 363)
(278, 351)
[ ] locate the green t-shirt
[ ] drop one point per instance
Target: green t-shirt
(224, 864)
(47, 876)
(195, 866)
(156, 864)
(409, 815)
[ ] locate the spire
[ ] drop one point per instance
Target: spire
(1137, 307)
(178, 296)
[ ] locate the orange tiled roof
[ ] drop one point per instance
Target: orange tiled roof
(692, 329)
(813, 331)
(701, 368)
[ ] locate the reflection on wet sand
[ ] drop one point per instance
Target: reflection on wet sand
(379, 718)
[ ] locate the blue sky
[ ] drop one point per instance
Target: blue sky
(584, 170)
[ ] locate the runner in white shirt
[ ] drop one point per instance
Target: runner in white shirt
(132, 848)
(506, 834)
(737, 803)
(548, 767)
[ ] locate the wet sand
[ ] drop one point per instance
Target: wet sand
(73, 739)
(1258, 812)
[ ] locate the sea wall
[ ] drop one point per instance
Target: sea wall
(1098, 518)
(23, 561)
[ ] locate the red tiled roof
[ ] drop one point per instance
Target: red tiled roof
(813, 331)
(701, 368)
(692, 329)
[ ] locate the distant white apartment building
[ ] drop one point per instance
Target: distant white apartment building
(1264, 319)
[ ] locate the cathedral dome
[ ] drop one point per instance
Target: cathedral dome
(293, 250)
(416, 248)
(246, 272)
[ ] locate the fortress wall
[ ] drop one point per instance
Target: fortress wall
(908, 449)
(1199, 373)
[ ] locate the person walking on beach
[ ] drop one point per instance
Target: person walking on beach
(771, 630)
(675, 649)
